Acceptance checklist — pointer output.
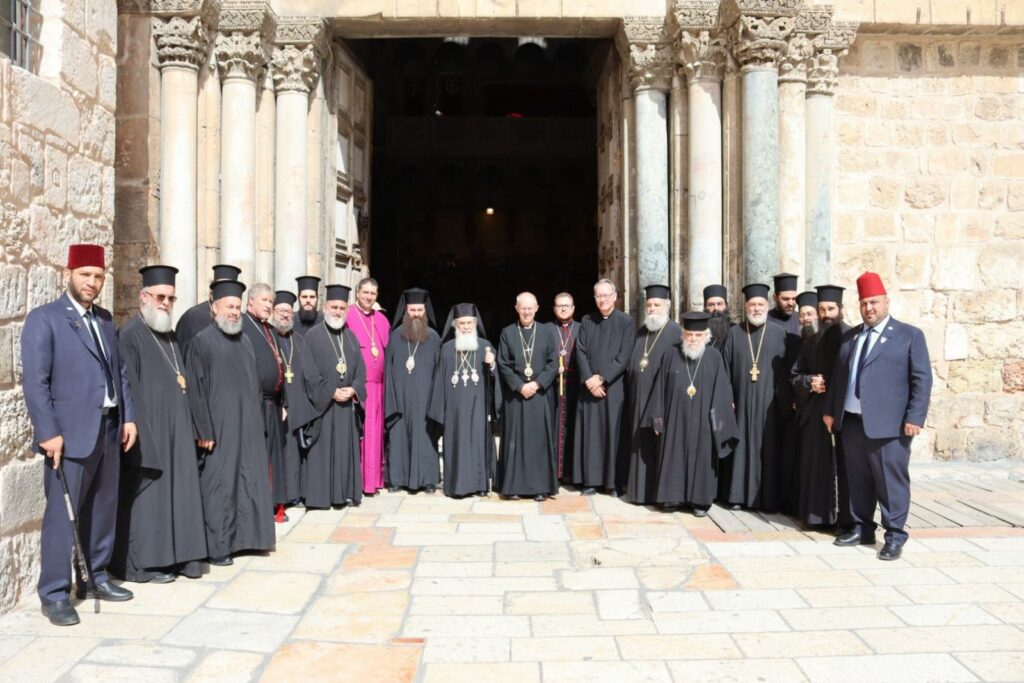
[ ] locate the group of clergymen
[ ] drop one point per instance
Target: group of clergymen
(322, 405)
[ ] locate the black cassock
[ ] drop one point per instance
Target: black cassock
(303, 327)
(750, 477)
(465, 411)
(271, 375)
(568, 389)
(291, 349)
(600, 455)
(790, 323)
(719, 342)
(789, 464)
(333, 474)
(819, 466)
(696, 431)
(527, 461)
(224, 394)
(160, 512)
(191, 323)
(640, 385)
(413, 461)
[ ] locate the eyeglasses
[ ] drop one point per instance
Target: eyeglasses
(564, 306)
(161, 298)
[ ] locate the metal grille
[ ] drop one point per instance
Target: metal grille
(19, 27)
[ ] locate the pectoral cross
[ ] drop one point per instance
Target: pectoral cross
(289, 375)
(754, 373)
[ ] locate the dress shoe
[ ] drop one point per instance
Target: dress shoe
(429, 489)
(107, 591)
(854, 538)
(700, 512)
(225, 561)
(735, 506)
(394, 489)
(162, 577)
(890, 551)
(540, 498)
(614, 493)
(60, 613)
(588, 491)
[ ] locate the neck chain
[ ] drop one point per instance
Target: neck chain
(563, 354)
(172, 359)
(339, 350)
(410, 364)
(528, 350)
(644, 362)
(465, 367)
(691, 390)
(755, 372)
(371, 331)
(288, 374)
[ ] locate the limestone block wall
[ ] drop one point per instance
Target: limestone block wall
(930, 193)
(56, 188)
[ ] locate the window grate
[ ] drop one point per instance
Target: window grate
(19, 24)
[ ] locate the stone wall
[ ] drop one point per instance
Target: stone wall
(930, 193)
(56, 188)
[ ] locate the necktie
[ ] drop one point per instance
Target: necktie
(91, 323)
(860, 360)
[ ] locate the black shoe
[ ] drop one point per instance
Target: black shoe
(225, 561)
(890, 551)
(735, 506)
(60, 613)
(588, 491)
(540, 498)
(854, 538)
(162, 577)
(394, 489)
(107, 591)
(482, 494)
(614, 493)
(429, 489)
(700, 512)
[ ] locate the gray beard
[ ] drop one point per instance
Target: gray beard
(415, 330)
(466, 341)
(755, 320)
(155, 319)
(694, 352)
(334, 322)
(655, 322)
(283, 327)
(228, 327)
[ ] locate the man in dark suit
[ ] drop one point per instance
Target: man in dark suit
(80, 406)
(877, 402)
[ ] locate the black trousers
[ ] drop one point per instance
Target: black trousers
(877, 472)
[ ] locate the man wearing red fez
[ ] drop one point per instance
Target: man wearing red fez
(80, 405)
(877, 401)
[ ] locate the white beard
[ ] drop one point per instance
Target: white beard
(756, 320)
(228, 327)
(335, 322)
(155, 319)
(655, 322)
(466, 341)
(283, 327)
(694, 351)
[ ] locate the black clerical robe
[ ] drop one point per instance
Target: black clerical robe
(191, 322)
(301, 327)
(750, 476)
(641, 378)
(333, 475)
(600, 452)
(568, 389)
(413, 461)
(288, 476)
(719, 341)
(824, 496)
(790, 323)
(465, 410)
(527, 462)
(160, 512)
(271, 376)
(224, 394)
(789, 431)
(696, 430)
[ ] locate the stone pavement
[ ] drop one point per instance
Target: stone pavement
(424, 588)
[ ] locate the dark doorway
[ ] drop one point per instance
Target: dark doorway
(484, 170)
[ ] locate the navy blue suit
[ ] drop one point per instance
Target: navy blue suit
(895, 388)
(65, 390)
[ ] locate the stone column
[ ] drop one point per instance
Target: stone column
(678, 186)
(296, 67)
(821, 83)
(243, 39)
(182, 40)
(758, 31)
(792, 154)
(702, 54)
(650, 68)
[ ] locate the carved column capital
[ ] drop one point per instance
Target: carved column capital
(823, 69)
(702, 54)
(758, 30)
(244, 38)
(794, 59)
(646, 47)
(298, 53)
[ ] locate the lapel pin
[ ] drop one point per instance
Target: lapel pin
(882, 340)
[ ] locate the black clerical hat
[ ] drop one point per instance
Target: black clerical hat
(785, 282)
(308, 282)
(830, 293)
(337, 292)
(754, 290)
(463, 311)
(716, 290)
(806, 299)
(158, 275)
(223, 271)
(223, 288)
(657, 292)
(283, 296)
(695, 322)
(413, 295)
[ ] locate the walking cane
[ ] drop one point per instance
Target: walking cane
(79, 553)
(835, 478)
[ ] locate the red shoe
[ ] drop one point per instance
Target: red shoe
(279, 516)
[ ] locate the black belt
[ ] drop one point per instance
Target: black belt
(108, 411)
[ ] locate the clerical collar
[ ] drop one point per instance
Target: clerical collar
(525, 327)
(364, 312)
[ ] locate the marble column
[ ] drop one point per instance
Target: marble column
(650, 76)
(821, 82)
(703, 57)
(296, 68)
(792, 155)
(245, 30)
(182, 41)
(678, 186)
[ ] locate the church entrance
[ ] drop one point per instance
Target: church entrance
(484, 170)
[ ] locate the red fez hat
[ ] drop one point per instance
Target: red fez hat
(85, 256)
(869, 285)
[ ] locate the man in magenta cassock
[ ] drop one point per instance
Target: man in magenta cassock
(371, 328)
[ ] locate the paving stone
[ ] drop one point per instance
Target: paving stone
(466, 538)
(741, 621)
(825, 618)
(311, 532)
(102, 625)
(999, 559)
(545, 528)
(983, 574)
(801, 644)
(663, 578)
(549, 603)
(398, 518)
(531, 551)
(457, 604)
(878, 668)
(669, 647)
(552, 625)
(612, 672)
(355, 618)
(279, 592)
(801, 579)
(1008, 613)
(308, 661)
(620, 604)
(519, 672)
(466, 650)
(529, 568)
(466, 626)
(767, 549)
(953, 559)
(456, 554)
(480, 585)
(677, 601)
(11, 644)
(368, 535)
(566, 504)
(368, 580)
(492, 529)
(711, 577)
(594, 579)
(567, 649)
(182, 597)
(126, 674)
(226, 667)
(142, 655)
(994, 666)
(46, 659)
(906, 576)
(796, 563)
(963, 593)
(380, 557)
(232, 630)
(319, 558)
(736, 670)
(979, 638)
(943, 615)
(754, 599)
(454, 569)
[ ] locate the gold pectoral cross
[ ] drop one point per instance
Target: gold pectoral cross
(289, 375)
(754, 373)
